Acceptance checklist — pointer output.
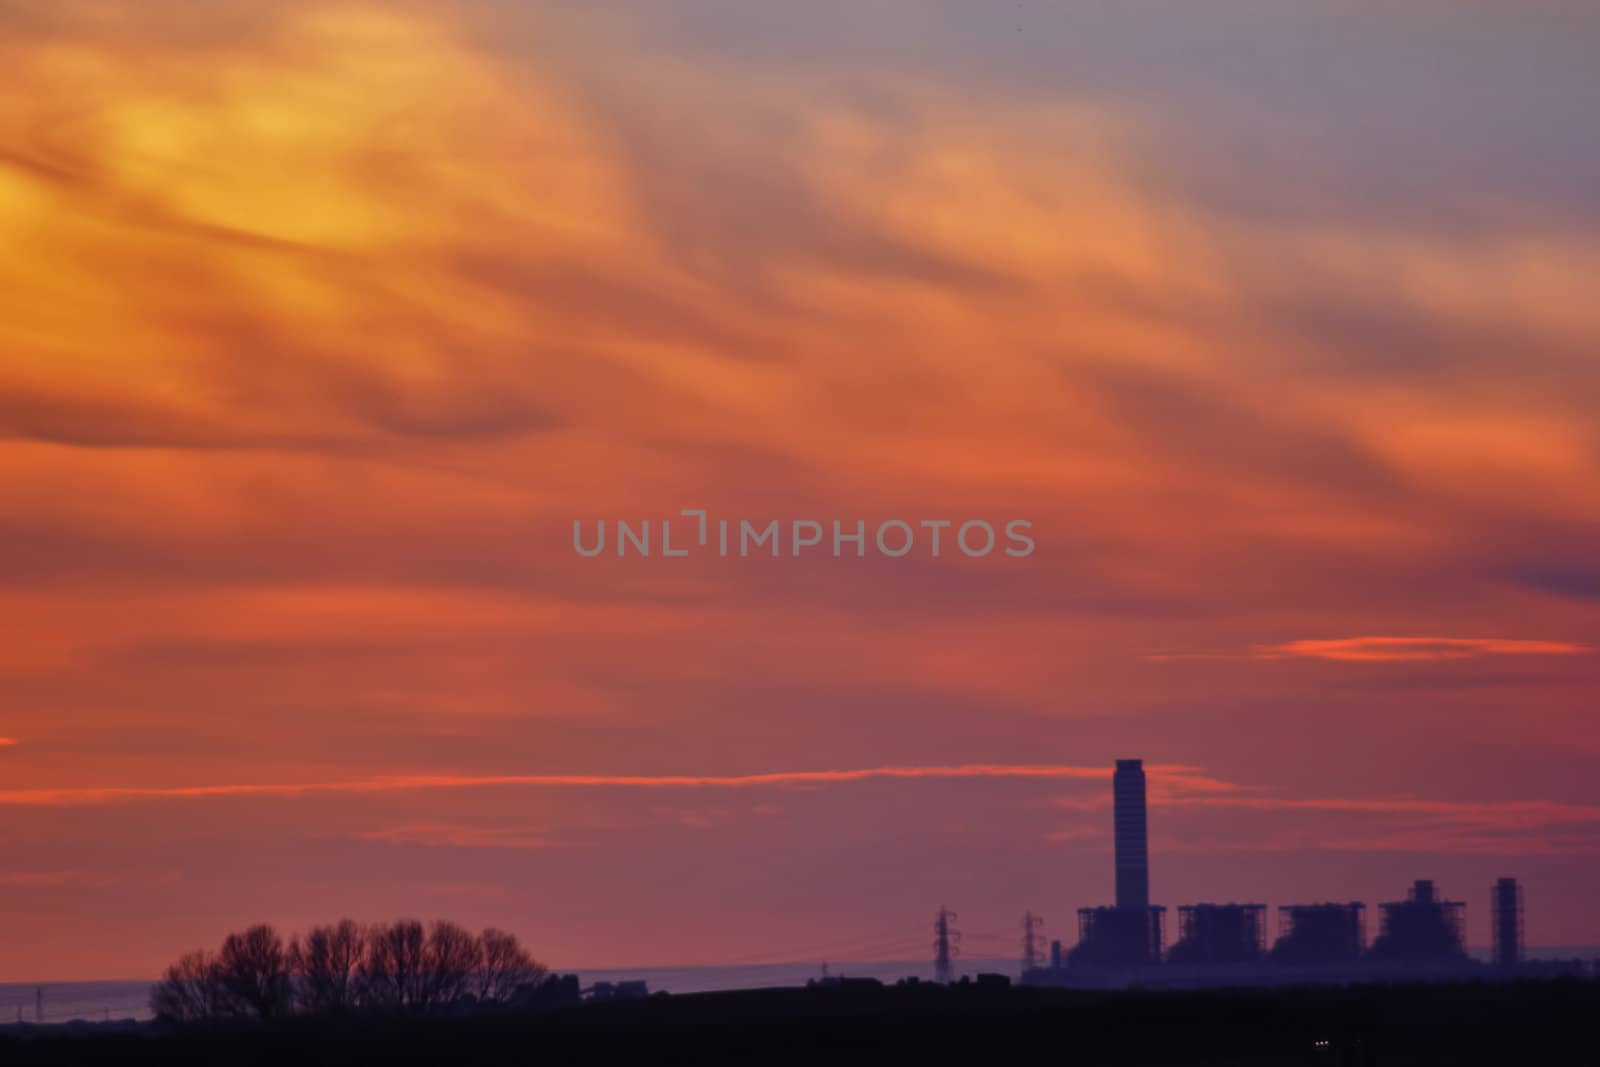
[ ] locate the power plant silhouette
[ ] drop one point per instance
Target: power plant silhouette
(1421, 937)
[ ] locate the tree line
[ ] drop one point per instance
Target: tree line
(401, 967)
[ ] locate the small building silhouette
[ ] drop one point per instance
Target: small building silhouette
(553, 992)
(603, 991)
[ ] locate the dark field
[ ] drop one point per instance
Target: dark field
(1548, 1022)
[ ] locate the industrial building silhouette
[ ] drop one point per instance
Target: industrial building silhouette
(1421, 927)
(1320, 933)
(1422, 936)
(1220, 933)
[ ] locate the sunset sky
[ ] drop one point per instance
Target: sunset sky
(320, 324)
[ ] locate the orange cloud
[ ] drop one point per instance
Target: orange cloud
(1413, 649)
(67, 796)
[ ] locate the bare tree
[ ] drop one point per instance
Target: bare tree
(506, 966)
(394, 968)
(188, 992)
(253, 972)
(399, 966)
(328, 965)
(451, 962)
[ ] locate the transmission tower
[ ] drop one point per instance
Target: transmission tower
(944, 945)
(1030, 950)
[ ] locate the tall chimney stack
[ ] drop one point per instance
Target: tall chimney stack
(1507, 912)
(1132, 835)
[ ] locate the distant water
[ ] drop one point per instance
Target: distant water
(97, 1001)
(64, 1002)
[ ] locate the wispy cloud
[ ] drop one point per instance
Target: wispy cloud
(1384, 650)
(89, 795)
(61, 879)
(1506, 814)
(1362, 824)
(4, 741)
(1406, 824)
(1413, 649)
(38, 879)
(461, 835)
